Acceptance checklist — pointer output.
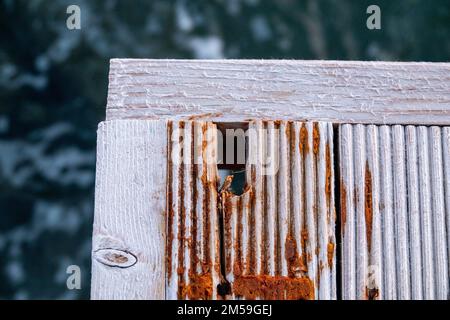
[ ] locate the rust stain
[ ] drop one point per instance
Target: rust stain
(247, 283)
(303, 141)
(319, 270)
(233, 203)
(330, 254)
(316, 138)
(200, 287)
(193, 185)
(303, 149)
(205, 115)
(181, 227)
(273, 288)
(265, 243)
(368, 206)
(294, 261)
(328, 172)
(304, 241)
(372, 294)
(206, 202)
(250, 208)
(227, 215)
(287, 130)
(291, 136)
(343, 206)
(197, 285)
(238, 266)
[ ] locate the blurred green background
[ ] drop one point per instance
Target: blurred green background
(53, 87)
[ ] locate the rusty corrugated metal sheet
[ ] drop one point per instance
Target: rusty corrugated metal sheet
(193, 252)
(395, 211)
(280, 234)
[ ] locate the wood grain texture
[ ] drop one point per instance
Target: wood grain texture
(130, 201)
(236, 90)
(395, 193)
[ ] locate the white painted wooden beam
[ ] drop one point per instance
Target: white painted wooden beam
(128, 246)
(238, 90)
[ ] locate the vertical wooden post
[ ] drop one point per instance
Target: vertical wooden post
(129, 226)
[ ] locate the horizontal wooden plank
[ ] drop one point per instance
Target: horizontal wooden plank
(238, 90)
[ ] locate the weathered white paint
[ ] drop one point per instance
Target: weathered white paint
(237, 90)
(130, 200)
(394, 192)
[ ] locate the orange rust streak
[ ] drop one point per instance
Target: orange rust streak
(316, 138)
(304, 149)
(304, 241)
(238, 245)
(227, 215)
(319, 270)
(200, 287)
(295, 263)
(328, 178)
(251, 209)
(273, 288)
(368, 206)
(303, 143)
(181, 226)
(330, 254)
(343, 207)
(205, 115)
(193, 185)
(206, 263)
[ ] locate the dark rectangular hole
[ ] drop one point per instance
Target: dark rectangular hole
(232, 153)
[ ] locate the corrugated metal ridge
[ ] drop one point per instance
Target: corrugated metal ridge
(395, 211)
